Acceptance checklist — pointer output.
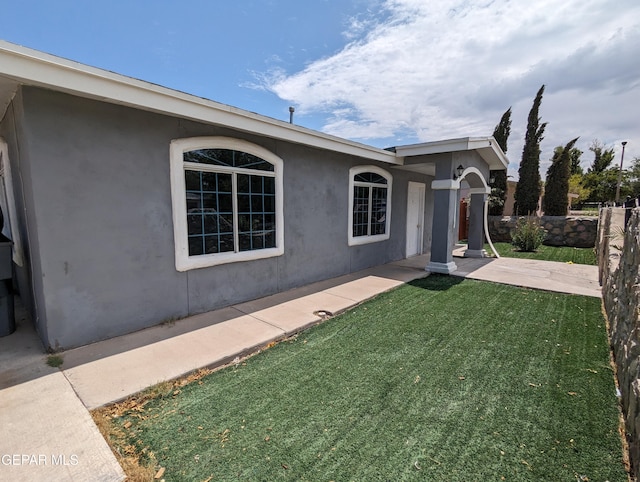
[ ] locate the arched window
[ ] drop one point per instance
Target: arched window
(227, 202)
(369, 204)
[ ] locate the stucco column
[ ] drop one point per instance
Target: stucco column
(445, 199)
(475, 247)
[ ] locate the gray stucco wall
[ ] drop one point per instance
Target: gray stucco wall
(99, 178)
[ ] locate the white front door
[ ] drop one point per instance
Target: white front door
(415, 217)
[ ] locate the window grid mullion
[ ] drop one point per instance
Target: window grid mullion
(194, 166)
(369, 184)
(203, 235)
(370, 211)
(264, 224)
(234, 201)
(250, 214)
(219, 240)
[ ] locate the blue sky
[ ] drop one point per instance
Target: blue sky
(382, 72)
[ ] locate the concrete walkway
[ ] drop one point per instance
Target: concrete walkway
(47, 432)
(576, 279)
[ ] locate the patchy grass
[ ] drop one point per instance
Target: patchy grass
(443, 379)
(55, 361)
(139, 465)
(561, 254)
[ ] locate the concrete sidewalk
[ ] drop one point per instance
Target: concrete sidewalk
(47, 432)
(43, 411)
(217, 337)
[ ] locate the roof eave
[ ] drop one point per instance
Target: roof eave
(39, 69)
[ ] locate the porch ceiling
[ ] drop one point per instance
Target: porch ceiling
(426, 168)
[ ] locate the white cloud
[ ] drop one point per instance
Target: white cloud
(430, 70)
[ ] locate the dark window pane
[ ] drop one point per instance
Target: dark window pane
(379, 210)
(360, 211)
(194, 224)
(361, 197)
(361, 225)
(211, 224)
(270, 204)
(270, 240)
(216, 157)
(256, 184)
(228, 158)
(225, 203)
(211, 244)
(195, 246)
(244, 203)
(244, 222)
(194, 202)
(224, 183)
(257, 222)
(370, 177)
(226, 223)
(245, 241)
(209, 202)
(249, 161)
(256, 203)
(269, 222)
(226, 242)
(243, 183)
(209, 181)
(209, 231)
(269, 185)
(192, 180)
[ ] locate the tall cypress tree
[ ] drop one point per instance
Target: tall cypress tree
(499, 185)
(574, 158)
(528, 188)
(502, 130)
(556, 189)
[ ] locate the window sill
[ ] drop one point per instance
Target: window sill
(186, 263)
(359, 240)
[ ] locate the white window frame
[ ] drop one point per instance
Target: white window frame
(178, 147)
(358, 240)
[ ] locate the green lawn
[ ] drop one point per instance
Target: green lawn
(562, 254)
(443, 379)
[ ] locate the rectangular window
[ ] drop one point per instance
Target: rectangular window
(256, 212)
(209, 212)
(360, 211)
(378, 210)
(212, 226)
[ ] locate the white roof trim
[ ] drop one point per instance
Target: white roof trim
(32, 67)
(486, 147)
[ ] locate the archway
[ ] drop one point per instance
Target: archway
(478, 192)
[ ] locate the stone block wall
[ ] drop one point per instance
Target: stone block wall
(573, 231)
(500, 228)
(620, 278)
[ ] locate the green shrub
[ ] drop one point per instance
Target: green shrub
(528, 235)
